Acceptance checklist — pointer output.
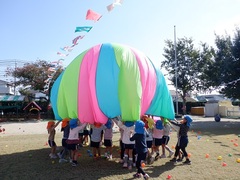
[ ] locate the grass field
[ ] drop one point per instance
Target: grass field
(26, 157)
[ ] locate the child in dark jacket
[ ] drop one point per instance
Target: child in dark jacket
(182, 138)
(141, 147)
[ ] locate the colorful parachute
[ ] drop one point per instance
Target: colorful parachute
(109, 80)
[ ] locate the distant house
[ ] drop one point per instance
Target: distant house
(6, 88)
(32, 110)
(188, 98)
(211, 98)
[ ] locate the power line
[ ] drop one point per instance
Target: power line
(10, 63)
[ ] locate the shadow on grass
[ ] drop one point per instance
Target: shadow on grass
(36, 164)
(212, 128)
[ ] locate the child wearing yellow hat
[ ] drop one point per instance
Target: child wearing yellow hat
(166, 137)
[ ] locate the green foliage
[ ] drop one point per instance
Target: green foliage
(191, 64)
(33, 75)
(224, 71)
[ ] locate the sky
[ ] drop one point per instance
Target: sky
(37, 29)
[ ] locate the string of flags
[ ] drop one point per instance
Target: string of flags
(232, 82)
(90, 15)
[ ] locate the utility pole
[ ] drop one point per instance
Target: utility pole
(15, 79)
(175, 55)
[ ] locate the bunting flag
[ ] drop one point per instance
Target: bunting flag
(91, 15)
(61, 54)
(118, 2)
(110, 7)
(75, 40)
(67, 48)
(83, 28)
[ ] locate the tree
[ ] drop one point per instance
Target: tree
(32, 75)
(224, 72)
(191, 63)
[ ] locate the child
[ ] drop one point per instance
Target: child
(86, 134)
(121, 145)
(127, 128)
(166, 137)
(183, 138)
(65, 129)
(51, 131)
(108, 134)
(73, 139)
(180, 157)
(149, 124)
(141, 148)
(80, 136)
(96, 138)
(157, 139)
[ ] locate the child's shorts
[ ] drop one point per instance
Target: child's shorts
(95, 144)
(165, 140)
(64, 143)
(85, 132)
(107, 142)
(149, 144)
(72, 146)
(51, 143)
(129, 146)
(157, 142)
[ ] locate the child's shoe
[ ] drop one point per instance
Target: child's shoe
(146, 176)
(179, 160)
(59, 155)
(62, 160)
(74, 164)
(53, 156)
(137, 175)
(173, 159)
(151, 160)
(130, 164)
(170, 154)
(110, 157)
(157, 156)
(106, 155)
(187, 162)
(125, 165)
(163, 156)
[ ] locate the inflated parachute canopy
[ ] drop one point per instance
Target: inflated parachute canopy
(109, 80)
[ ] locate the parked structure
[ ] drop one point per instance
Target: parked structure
(6, 88)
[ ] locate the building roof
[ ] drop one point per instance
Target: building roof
(211, 98)
(11, 98)
(31, 105)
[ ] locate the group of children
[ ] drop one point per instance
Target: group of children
(140, 141)
(75, 133)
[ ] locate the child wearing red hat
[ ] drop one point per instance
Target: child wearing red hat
(51, 131)
(65, 129)
(96, 138)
